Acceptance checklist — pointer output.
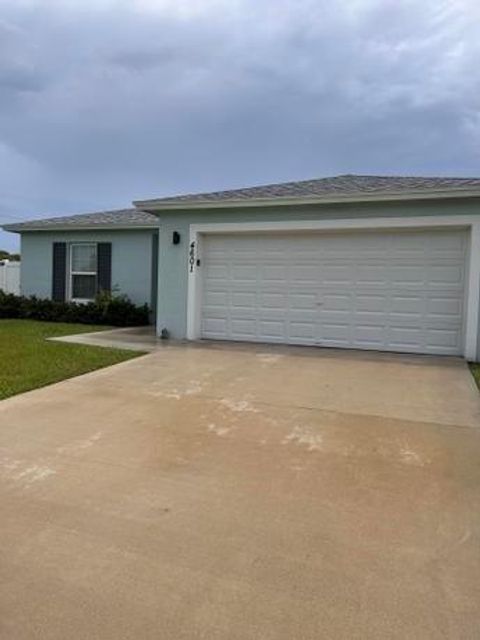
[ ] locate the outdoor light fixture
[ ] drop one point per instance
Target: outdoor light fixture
(176, 237)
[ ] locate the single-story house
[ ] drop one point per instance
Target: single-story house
(363, 262)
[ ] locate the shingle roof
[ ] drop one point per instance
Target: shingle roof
(112, 219)
(329, 188)
(344, 185)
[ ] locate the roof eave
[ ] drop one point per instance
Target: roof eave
(154, 206)
(20, 228)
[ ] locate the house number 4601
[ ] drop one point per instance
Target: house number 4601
(191, 254)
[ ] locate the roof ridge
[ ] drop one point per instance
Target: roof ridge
(343, 185)
(410, 177)
(297, 183)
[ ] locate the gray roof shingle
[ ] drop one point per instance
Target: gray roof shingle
(338, 186)
(344, 185)
(112, 219)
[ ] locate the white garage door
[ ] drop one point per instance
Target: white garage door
(395, 291)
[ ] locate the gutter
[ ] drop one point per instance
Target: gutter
(19, 228)
(153, 206)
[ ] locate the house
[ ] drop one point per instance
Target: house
(72, 257)
(364, 262)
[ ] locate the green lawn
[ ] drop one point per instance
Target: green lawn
(475, 368)
(28, 360)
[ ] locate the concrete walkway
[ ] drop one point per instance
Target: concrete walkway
(132, 338)
(243, 494)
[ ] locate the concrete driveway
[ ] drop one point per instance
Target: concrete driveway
(243, 493)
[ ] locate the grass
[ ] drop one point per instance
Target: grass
(475, 369)
(29, 361)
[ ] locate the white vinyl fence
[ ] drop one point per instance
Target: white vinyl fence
(10, 276)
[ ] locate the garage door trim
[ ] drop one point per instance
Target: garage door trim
(471, 223)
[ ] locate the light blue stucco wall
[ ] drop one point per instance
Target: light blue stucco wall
(131, 260)
(173, 259)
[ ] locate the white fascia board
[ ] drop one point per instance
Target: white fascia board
(153, 206)
(90, 228)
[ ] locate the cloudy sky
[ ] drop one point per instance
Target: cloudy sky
(105, 101)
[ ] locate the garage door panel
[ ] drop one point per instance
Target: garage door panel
(336, 331)
(336, 301)
(217, 271)
(243, 299)
(302, 330)
(370, 302)
(272, 300)
(243, 272)
(272, 255)
(371, 335)
(406, 320)
(303, 301)
(442, 338)
(296, 319)
(336, 317)
(337, 274)
(407, 275)
(242, 314)
(445, 306)
(406, 336)
(304, 273)
(450, 324)
(273, 273)
(212, 327)
(400, 291)
(370, 275)
(441, 275)
(245, 327)
(407, 302)
(453, 241)
(367, 319)
(271, 328)
(216, 298)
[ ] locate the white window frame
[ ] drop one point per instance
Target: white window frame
(471, 223)
(72, 273)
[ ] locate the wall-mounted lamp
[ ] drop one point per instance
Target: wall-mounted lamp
(176, 237)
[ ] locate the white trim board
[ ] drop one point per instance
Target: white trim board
(66, 229)
(164, 204)
(472, 223)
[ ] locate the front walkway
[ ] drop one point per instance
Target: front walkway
(134, 338)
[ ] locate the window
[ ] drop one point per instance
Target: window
(83, 271)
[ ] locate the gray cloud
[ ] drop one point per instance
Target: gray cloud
(108, 101)
(144, 59)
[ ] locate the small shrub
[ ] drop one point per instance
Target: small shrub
(107, 309)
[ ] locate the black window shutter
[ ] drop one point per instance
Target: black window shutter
(104, 266)
(59, 271)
